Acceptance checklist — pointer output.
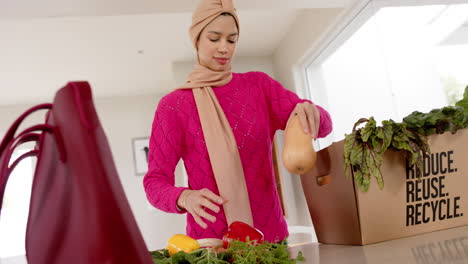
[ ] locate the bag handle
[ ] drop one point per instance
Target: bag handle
(27, 136)
(31, 153)
(45, 128)
(12, 130)
(30, 137)
(6, 170)
(23, 137)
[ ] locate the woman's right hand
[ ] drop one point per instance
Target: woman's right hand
(195, 202)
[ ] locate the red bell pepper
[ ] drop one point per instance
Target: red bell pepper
(243, 232)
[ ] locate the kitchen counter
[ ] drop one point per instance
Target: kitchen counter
(447, 246)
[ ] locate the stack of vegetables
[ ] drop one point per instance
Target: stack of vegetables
(241, 244)
(364, 147)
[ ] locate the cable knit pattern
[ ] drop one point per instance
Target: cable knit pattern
(256, 106)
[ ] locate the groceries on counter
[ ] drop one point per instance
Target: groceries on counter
(241, 244)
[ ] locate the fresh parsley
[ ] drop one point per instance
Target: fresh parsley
(237, 253)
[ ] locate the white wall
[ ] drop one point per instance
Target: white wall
(308, 28)
(124, 118)
(8, 115)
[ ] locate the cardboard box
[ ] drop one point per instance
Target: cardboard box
(343, 214)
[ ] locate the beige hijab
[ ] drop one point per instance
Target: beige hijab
(219, 138)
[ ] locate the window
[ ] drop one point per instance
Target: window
(15, 209)
(391, 60)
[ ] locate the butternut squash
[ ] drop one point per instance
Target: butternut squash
(299, 156)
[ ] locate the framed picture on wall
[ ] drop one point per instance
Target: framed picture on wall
(140, 155)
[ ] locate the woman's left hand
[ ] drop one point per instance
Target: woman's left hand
(309, 117)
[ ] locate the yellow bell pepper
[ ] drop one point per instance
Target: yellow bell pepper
(181, 243)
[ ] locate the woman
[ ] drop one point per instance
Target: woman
(222, 125)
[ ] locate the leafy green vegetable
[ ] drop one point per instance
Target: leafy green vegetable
(464, 103)
(161, 256)
(238, 253)
(449, 118)
(364, 147)
(263, 253)
(200, 256)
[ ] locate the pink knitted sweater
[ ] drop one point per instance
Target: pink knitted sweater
(256, 106)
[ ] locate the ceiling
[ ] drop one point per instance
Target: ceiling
(457, 37)
(65, 8)
(120, 47)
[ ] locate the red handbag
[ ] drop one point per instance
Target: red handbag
(78, 212)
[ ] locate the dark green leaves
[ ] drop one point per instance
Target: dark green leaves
(437, 121)
(264, 253)
(364, 147)
(200, 256)
(464, 104)
(161, 256)
(238, 253)
(364, 150)
(368, 130)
